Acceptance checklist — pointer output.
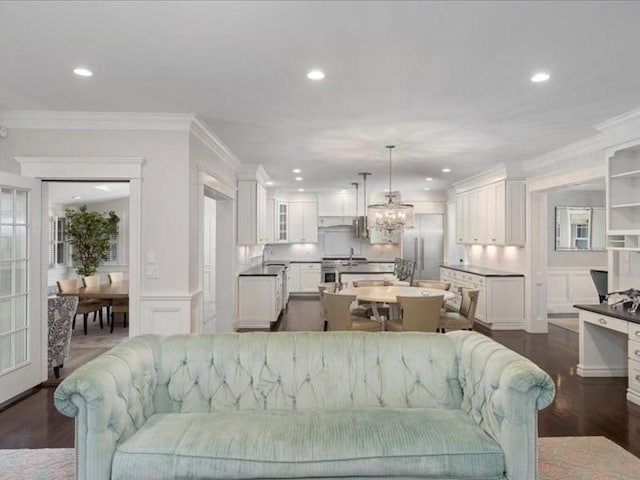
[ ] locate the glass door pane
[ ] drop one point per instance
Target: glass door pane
(14, 282)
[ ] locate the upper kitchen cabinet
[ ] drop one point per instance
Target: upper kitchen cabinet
(493, 214)
(303, 222)
(623, 199)
(252, 214)
(341, 204)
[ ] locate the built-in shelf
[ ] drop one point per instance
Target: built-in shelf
(626, 205)
(629, 174)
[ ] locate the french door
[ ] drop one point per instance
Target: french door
(23, 334)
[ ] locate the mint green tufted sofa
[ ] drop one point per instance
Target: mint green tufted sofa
(301, 405)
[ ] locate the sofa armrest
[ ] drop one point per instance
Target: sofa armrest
(502, 392)
(111, 398)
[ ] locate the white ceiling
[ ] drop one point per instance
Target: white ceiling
(448, 82)
(62, 193)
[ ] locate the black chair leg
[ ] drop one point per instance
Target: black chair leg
(56, 371)
(73, 323)
(126, 320)
(86, 317)
(113, 321)
(101, 325)
(326, 325)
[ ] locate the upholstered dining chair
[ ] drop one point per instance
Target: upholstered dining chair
(60, 312)
(94, 281)
(119, 305)
(434, 284)
(325, 287)
(462, 320)
(85, 307)
(419, 314)
(339, 315)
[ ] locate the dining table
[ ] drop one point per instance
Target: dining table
(388, 295)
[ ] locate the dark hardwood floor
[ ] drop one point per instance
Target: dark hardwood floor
(582, 406)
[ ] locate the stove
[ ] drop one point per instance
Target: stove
(329, 265)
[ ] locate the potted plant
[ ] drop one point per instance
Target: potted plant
(89, 234)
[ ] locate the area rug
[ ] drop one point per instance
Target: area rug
(559, 458)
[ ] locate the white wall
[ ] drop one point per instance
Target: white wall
(168, 205)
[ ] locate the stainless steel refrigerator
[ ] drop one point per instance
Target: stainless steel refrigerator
(425, 244)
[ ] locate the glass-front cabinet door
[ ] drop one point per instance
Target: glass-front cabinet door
(282, 228)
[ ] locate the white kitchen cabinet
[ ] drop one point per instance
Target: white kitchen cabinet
(342, 204)
(260, 300)
(252, 213)
(500, 298)
(623, 200)
(493, 214)
(282, 222)
(303, 222)
(304, 277)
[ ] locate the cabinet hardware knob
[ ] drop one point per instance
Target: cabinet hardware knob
(602, 321)
(475, 239)
(637, 352)
(637, 333)
(638, 378)
(493, 239)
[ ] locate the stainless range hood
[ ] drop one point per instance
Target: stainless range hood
(360, 227)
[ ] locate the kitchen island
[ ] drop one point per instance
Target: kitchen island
(347, 274)
(262, 295)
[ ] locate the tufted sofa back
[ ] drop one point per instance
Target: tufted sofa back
(201, 373)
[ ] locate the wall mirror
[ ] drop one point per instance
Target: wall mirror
(580, 228)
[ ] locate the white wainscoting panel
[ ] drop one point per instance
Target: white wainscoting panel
(165, 315)
(569, 286)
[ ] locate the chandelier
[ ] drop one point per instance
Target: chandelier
(392, 214)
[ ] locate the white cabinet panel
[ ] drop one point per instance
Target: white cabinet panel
(252, 213)
(493, 214)
(304, 277)
(500, 299)
(303, 222)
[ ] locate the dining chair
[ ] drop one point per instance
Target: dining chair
(339, 315)
(462, 320)
(322, 288)
(435, 284)
(419, 314)
(60, 313)
(93, 281)
(115, 277)
(85, 307)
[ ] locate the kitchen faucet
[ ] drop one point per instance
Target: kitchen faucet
(266, 247)
(351, 256)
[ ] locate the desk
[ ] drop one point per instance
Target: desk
(106, 291)
(610, 345)
(377, 295)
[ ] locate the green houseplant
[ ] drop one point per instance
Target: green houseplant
(89, 234)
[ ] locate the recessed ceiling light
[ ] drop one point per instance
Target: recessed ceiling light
(104, 188)
(76, 197)
(269, 183)
(83, 72)
(301, 189)
(296, 170)
(428, 179)
(540, 77)
(315, 75)
(427, 188)
(446, 170)
(298, 179)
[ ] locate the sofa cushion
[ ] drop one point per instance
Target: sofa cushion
(384, 442)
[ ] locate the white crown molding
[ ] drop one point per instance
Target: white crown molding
(490, 176)
(632, 116)
(566, 154)
(52, 120)
(253, 172)
(202, 131)
(114, 168)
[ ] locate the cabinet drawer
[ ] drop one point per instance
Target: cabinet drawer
(634, 375)
(634, 351)
(311, 266)
(634, 332)
(605, 321)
